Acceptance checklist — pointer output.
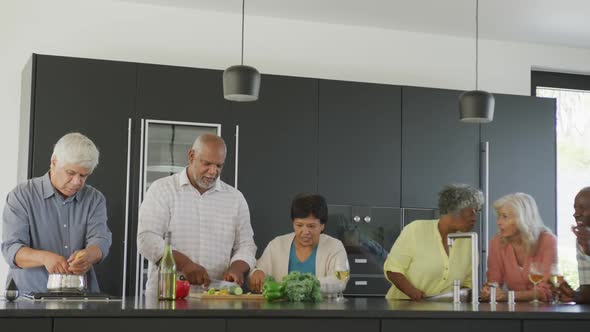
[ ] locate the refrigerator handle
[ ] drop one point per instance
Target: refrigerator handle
(138, 257)
(484, 184)
(237, 155)
(125, 240)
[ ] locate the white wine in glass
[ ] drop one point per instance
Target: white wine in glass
(535, 276)
(342, 274)
(556, 280)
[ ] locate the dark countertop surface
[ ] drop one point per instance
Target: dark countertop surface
(372, 308)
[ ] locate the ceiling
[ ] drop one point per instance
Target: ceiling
(564, 22)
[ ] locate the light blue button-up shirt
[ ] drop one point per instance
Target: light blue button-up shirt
(38, 217)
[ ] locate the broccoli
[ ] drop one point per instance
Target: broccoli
(301, 287)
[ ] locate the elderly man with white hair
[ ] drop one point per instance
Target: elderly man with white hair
(56, 223)
(212, 237)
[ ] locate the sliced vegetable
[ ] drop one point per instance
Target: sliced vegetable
(236, 290)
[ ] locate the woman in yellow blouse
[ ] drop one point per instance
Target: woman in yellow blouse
(420, 263)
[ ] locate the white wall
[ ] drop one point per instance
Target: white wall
(124, 31)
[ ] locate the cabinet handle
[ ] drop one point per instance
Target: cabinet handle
(356, 219)
(129, 128)
(367, 219)
(485, 187)
(237, 154)
(360, 283)
(138, 257)
(360, 260)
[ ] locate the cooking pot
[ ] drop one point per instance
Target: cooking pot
(67, 283)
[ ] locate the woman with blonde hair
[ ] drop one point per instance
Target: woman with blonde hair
(523, 246)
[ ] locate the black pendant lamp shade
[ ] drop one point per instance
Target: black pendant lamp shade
(241, 83)
(476, 106)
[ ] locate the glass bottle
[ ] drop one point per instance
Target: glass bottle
(167, 272)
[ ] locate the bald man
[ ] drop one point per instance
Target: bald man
(582, 232)
(212, 237)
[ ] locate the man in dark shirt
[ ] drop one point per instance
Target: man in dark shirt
(56, 223)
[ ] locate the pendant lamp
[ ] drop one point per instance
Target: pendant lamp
(476, 106)
(241, 83)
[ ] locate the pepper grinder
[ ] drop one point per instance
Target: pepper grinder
(11, 291)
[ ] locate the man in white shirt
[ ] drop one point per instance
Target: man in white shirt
(212, 237)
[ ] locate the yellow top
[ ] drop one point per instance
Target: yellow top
(418, 254)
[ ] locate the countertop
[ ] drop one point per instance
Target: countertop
(376, 308)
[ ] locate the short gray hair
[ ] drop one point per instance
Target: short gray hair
(205, 139)
(526, 213)
(77, 149)
(455, 197)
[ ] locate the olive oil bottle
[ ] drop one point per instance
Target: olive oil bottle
(167, 272)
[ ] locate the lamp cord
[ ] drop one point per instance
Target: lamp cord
(476, 42)
(243, 9)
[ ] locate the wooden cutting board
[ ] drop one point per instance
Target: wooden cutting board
(205, 296)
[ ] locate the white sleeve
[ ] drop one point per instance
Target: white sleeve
(244, 248)
(154, 219)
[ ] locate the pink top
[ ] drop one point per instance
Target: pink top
(503, 267)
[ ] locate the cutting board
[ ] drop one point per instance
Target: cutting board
(205, 296)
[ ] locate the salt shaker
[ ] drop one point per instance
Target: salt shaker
(511, 297)
(493, 287)
(456, 291)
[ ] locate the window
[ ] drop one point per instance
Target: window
(572, 94)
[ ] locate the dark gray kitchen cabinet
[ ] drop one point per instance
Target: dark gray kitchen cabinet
(145, 324)
(277, 152)
(359, 143)
(554, 325)
(96, 98)
(451, 325)
(522, 153)
(373, 285)
(410, 215)
(298, 325)
(186, 95)
(368, 233)
(437, 149)
(26, 324)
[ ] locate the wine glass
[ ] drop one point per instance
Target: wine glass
(535, 276)
(342, 274)
(556, 280)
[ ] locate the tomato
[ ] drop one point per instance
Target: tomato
(182, 288)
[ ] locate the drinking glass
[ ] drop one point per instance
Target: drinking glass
(556, 280)
(535, 276)
(342, 274)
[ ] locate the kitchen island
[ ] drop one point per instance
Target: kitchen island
(357, 314)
